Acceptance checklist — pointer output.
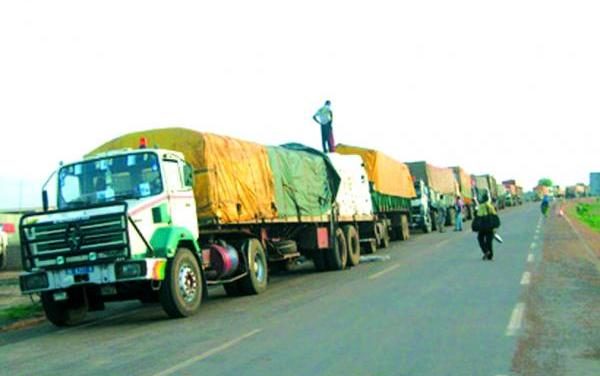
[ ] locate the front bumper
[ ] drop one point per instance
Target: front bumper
(152, 269)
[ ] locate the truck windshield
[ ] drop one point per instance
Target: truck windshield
(114, 178)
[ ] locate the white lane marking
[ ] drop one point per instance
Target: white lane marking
(526, 279)
(387, 270)
(516, 320)
(535, 238)
(530, 257)
(533, 245)
(205, 355)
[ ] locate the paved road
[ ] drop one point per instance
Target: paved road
(433, 308)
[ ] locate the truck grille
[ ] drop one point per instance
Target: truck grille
(98, 237)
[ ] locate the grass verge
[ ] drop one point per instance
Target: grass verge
(21, 312)
(589, 213)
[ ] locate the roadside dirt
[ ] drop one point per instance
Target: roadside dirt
(562, 319)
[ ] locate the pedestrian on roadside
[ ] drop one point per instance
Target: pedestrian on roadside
(485, 232)
(324, 117)
(545, 205)
(441, 214)
(458, 207)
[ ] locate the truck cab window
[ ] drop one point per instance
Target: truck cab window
(173, 175)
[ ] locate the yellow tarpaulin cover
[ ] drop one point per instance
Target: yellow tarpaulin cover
(233, 180)
(388, 176)
(443, 179)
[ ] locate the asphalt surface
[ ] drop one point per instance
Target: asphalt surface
(433, 308)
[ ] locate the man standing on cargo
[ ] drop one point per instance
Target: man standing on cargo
(324, 117)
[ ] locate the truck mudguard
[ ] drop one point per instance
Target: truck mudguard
(165, 241)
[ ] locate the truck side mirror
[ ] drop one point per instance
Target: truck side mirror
(45, 200)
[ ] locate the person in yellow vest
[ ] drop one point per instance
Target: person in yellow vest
(485, 235)
(324, 117)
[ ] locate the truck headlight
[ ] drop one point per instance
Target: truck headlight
(132, 269)
(32, 282)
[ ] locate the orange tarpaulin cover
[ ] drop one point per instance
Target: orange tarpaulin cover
(233, 179)
(388, 176)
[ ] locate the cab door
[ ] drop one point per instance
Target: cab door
(179, 190)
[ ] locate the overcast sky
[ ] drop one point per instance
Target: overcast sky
(510, 88)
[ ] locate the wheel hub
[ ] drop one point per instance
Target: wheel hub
(188, 283)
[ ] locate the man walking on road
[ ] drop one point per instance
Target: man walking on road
(324, 117)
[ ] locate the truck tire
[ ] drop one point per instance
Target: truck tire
(66, 313)
(182, 290)
(427, 225)
(405, 227)
(353, 245)
(3, 259)
(337, 255)
(385, 238)
(256, 281)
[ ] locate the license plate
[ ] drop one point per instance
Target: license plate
(80, 270)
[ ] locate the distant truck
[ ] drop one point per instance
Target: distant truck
(466, 190)
(441, 188)
(595, 183)
(391, 190)
(163, 224)
(515, 193)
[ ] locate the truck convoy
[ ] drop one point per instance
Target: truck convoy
(162, 224)
(437, 186)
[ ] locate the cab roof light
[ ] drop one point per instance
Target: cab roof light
(143, 143)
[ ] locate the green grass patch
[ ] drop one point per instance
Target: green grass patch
(589, 213)
(20, 312)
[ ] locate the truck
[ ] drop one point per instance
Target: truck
(442, 187)
(502, 196)
(515, 192)
(595, 183)
(391, 188)
(162, 224)
(466, 191)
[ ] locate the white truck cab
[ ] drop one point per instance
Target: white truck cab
(120, 218)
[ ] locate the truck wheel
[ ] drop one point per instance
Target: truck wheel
(385, 239)
(405, 230)
(3, 259)
(256, 280)
(427, 225)
(66, 313)
(181, 291)
(337, 256)
(353, 245)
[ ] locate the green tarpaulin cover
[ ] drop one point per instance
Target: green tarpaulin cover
(305, 181)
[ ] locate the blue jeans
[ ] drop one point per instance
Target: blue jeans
(458, 226)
